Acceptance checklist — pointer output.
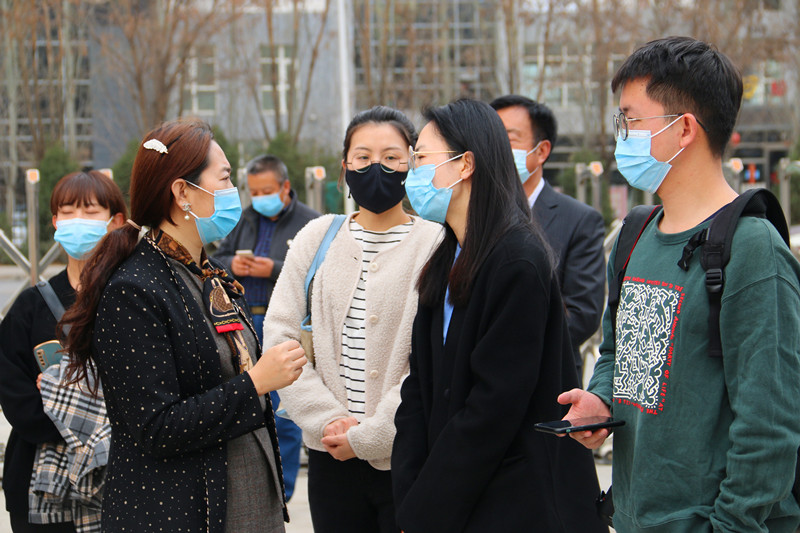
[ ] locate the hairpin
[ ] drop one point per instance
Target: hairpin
(155, 144)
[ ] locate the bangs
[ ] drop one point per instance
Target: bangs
(83, 189)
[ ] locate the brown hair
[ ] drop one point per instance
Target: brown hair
(188, 143)
(80, 188)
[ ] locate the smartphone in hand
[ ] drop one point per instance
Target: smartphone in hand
(592, 423)
(245, 253)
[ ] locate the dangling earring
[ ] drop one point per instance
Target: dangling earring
(186, 207)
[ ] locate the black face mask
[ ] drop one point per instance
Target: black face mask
(376, 190)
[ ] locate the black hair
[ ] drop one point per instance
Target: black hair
(377, 115)
(689, 76)
(543, 121)
(497, 201)
(268, 163)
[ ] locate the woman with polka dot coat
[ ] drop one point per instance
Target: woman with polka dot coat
(194, 446)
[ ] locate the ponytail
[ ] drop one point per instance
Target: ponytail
(110, 252)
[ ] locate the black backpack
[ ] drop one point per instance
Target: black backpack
(716, 242)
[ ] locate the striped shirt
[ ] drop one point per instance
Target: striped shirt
(352, 365)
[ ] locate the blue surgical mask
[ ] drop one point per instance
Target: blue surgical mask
(428, 201)
(634, 161)
(227, 211)
(79, 236)
(268, 205)
(520, 161)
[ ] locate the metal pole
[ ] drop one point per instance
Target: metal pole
(32, 197)
(596, 193)
(580, 169)
(12, 251)
(344, 86)
(784, 181)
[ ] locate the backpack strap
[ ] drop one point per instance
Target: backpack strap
(53, 303)
(632, 227)
(319, 257)
(717, 249)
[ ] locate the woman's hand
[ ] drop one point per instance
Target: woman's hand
(338, 446)
(335, 438)
(339, 427)
(278, 367)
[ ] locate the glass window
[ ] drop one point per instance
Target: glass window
(186, 99)
(205, 73)
(266, 51)
(206, 100)
(267, 102)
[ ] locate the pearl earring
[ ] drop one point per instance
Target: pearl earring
(186, 207)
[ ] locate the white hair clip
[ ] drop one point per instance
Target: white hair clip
(155, 144)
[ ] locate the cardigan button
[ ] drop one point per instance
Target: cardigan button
(373, 319)
(373, 374)
(446, 393)
(373, 267)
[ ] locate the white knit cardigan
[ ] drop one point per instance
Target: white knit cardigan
(319, 397)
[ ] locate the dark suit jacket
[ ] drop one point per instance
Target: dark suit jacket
(244, 235)
(466, 456)
(171, 412)
(575, 231)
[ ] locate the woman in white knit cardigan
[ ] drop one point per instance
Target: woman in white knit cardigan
(363, 303)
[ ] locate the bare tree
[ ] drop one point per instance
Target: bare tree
(300, 58)
(146, 47)
(44, 46)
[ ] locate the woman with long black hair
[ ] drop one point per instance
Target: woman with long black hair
(490, 350)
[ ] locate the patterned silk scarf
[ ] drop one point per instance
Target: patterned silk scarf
(218, 289)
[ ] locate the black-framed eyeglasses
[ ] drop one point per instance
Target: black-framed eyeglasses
(389, 163)
(621, 123)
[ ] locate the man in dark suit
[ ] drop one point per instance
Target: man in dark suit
(264, 232)
(574, 230)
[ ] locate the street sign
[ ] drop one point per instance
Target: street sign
(32, 175)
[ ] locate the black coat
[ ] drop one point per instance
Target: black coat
(28, 323)
(244, 235)
(575, 232)
(466, 456)
(171, 412)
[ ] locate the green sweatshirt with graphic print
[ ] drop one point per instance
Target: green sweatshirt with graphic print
(709, 444)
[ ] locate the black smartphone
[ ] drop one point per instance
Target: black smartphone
(561, 427)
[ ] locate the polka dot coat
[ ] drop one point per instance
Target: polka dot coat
(171, 412)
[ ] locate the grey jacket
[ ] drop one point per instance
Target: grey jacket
(245, 233)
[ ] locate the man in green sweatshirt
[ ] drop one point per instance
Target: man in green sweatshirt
(710, 444)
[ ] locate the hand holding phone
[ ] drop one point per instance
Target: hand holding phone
(592, 423)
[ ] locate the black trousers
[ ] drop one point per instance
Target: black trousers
(349, 496)
(19, 524)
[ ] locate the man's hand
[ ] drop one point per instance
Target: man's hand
(241, 265)
(585, 404)
(261, 267)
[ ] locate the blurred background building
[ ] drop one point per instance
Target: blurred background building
(82, 81)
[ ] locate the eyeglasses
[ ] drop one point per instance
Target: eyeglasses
(621, 123)
(413, 162)
(389, 163)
